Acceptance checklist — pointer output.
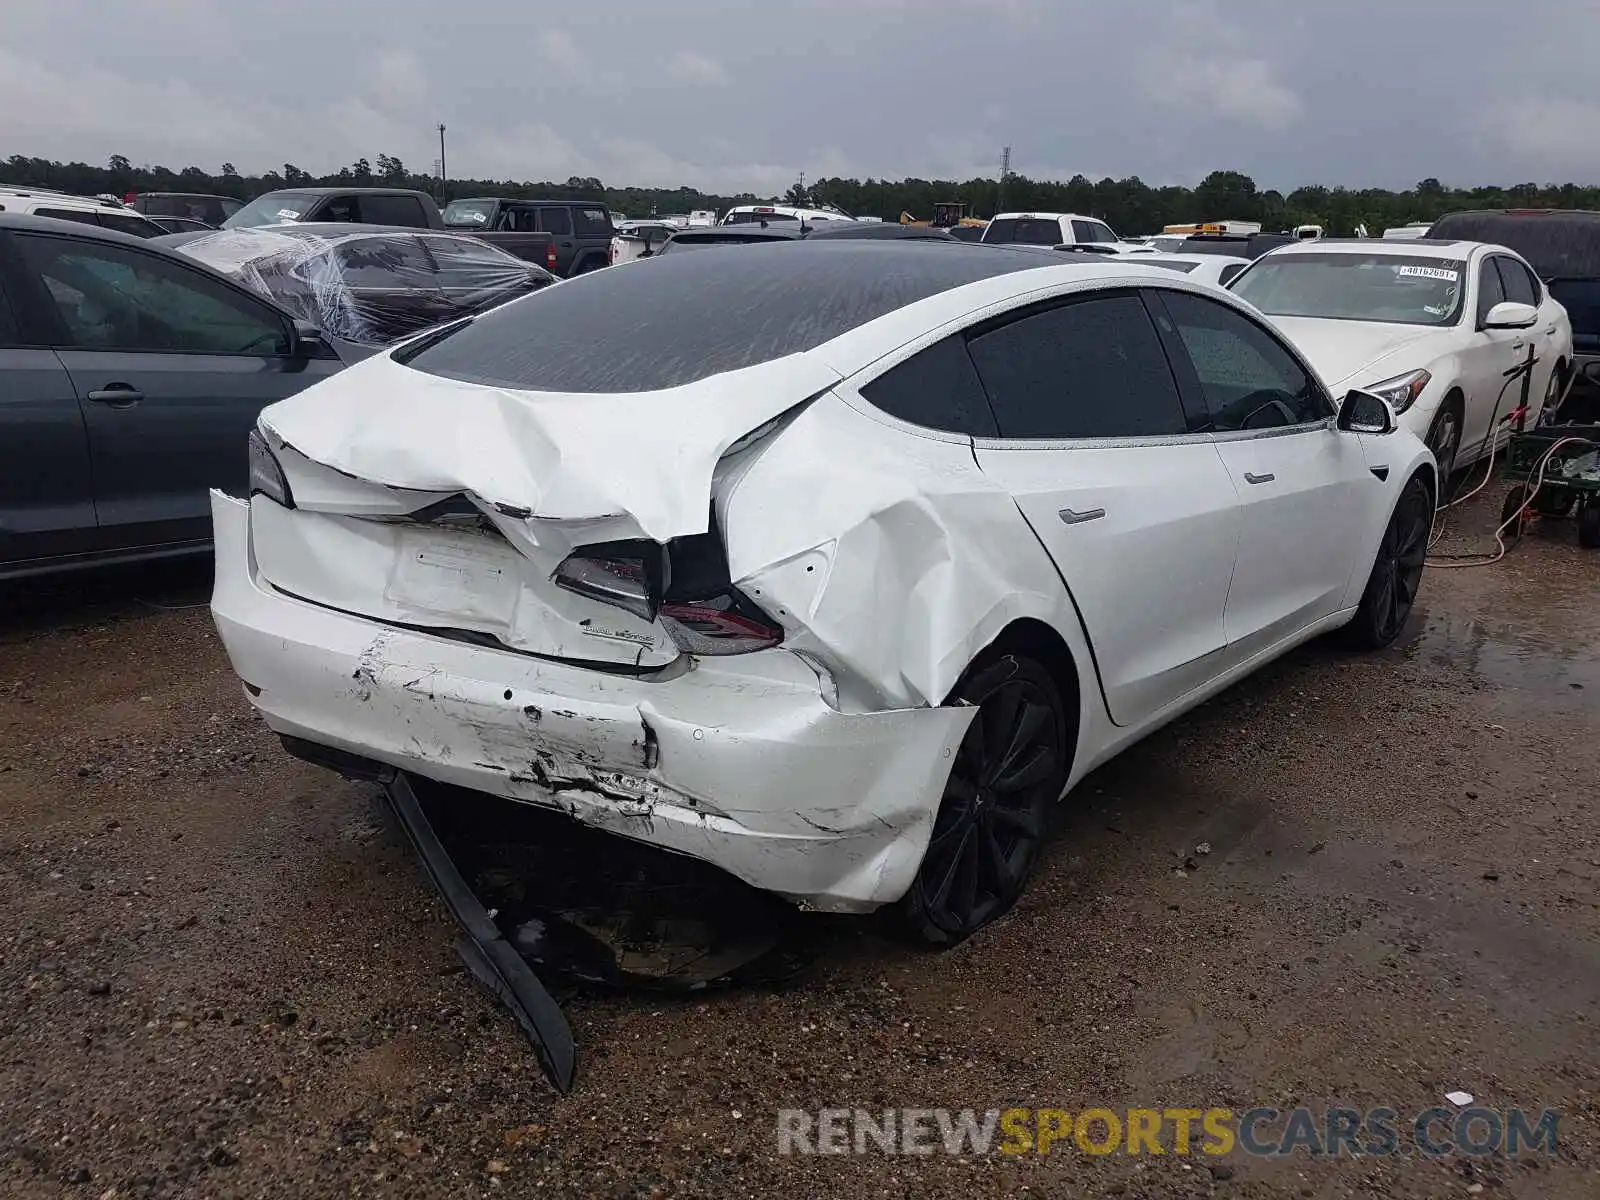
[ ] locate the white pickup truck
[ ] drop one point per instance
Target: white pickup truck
(642, 238)
(1058, 229)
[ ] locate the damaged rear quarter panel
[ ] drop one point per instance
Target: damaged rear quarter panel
(900, 562)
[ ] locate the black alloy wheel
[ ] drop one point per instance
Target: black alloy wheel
(1009, 769)
(1397, 571)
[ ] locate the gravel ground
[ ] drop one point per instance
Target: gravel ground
(222, 973)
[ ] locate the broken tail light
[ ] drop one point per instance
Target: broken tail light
(619, 579)
(266, 475)
(724, 624)
(684, 584)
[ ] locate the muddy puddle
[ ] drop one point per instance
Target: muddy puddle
(1549, 674)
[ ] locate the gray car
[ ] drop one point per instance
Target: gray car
(130, 378)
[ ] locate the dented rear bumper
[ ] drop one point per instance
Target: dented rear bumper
(737, 761)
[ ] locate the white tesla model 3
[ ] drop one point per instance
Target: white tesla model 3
(832, 564)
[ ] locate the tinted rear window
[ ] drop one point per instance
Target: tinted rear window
(1559, 245)
(1030, 231)
(938, 388)
(1581, 299)
(685, 317)
(592, 222)
(755, 218)
(68, 214)
(128, 223)
(378, 209)
(213, 210)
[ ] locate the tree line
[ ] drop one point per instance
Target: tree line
(1129, 206)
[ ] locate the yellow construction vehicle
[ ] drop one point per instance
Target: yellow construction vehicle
(950, 215)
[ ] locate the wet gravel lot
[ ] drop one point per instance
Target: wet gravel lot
(222, 973)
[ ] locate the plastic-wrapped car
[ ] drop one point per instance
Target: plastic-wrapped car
(370, 287)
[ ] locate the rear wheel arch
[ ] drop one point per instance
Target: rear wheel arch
(1032, 638)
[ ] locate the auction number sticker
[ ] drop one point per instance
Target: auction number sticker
(1443, 273)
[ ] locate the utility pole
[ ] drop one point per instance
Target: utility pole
(1000, 192)
(802, 182)
(443, 187)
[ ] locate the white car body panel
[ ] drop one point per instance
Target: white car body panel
(1205, 268)
(891, 556)
(1177, 543)
(1461, 358)
(1282, 579)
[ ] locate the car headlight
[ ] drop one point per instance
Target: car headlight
(1402, 391)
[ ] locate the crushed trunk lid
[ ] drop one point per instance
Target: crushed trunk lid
(430, 503)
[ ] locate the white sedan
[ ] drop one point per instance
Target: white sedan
(1432, 327)
(837, 578)
(1218, 269)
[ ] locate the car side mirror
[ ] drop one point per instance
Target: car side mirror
(307, 340)
(1509, 314)
(1362, 412)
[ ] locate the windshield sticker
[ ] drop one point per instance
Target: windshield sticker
(476, 216)
(288, 214)
(1443, 273)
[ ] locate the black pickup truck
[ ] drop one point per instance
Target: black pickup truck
(1563, 248)
(392, 207)
(581, 228)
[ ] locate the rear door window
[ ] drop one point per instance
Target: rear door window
(592, 222)
(67, 214)
(556, 220)
(937, 388)
(1088, 369)
(1030, 231)
(128, 223)
(338, 208)
(465, 264)
(393, 210)
(1515, 281)
(396, 261)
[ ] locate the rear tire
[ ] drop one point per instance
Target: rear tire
(1514, 514)
(986, 837)
(1589, 523)
(1396, 571)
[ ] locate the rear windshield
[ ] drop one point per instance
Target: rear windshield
(213, 210)
(1030, 231)
(1557, 245)
(755, 218)
(1356, 287)
(272, 209)
(685, 317)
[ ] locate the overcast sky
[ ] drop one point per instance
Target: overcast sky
(729, 97)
